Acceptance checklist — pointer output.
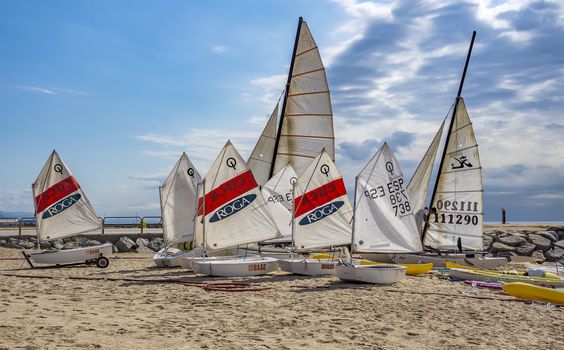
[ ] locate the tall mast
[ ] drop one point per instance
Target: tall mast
(449, 131)
(285, 96)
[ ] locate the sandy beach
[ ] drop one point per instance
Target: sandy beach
(294, 312)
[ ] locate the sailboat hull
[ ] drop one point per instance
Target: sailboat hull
(309, 267)
(377, 274)
(71, 256)
(170, 257)
(440, 261)
(234, 267)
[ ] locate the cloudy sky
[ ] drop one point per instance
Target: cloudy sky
(120, 89)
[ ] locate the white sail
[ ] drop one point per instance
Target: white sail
(322, 211)
(458, 200)
(260, 160)
(419, 184)
(307, 127)
(383, 215)
(235, 210)
(278, 194)
(61, 207)
(178, 201)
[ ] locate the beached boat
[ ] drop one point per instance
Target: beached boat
(383, 219)
(532, 292)
(412, 269)
(377, 274)
(232, 212)
(62, 210)
(491, 276)
(178, 197)
(455, 221)
(321, 217)
(543, 273)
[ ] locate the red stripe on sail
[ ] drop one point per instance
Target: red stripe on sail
(319, 196)
(55, 193)
(227, 191)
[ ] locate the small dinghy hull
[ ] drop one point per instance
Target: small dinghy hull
(439, 261)
(309, 267)
(85, 255)
(235, 266)
(490, 276)
(168, 258)
(377, 274)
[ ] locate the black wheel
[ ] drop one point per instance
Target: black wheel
(102, 262)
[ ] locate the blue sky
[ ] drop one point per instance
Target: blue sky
(120, 89)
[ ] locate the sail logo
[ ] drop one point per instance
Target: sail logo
(61, 206)
(462, 162)
(321, 213)
(233, 207)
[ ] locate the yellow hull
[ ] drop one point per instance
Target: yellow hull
(451, 265)
(530, 292)
(412, 269)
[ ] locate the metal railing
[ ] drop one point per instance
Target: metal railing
(140, 222)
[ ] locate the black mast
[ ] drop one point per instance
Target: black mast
(449, 131)
(285, 97)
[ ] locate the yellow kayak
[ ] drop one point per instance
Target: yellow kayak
(530, 292)
(451, 265)
(412, 269)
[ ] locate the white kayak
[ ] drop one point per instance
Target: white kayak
(93, 254)
(234, 266)
(308, 267)
(378, 274)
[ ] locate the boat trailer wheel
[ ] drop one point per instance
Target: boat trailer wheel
(102, 262)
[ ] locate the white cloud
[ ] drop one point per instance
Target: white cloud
(219, 49)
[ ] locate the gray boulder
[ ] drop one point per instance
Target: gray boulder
(554, 254)
(525, 249)
(512, 240)
(45, 245)
(559, 244)
(143, 249)
(25, 244)
(551, 235)
(68, 239)
(541, 242)
(70, 245)
(3, 243)
(142, 242)
(500, 247)
(82, 241)
(560, 234)
(155, 245)
(487, 242)
(126, 244)
(538, 256)
(90, 243)
(57, 244)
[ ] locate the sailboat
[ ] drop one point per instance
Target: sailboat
(383, 220)
(178, 197)
(321, 216)
(455, 221)
(62, 210)
(232, 212)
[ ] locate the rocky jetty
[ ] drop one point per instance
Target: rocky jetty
(124, 244)
(542, 246)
